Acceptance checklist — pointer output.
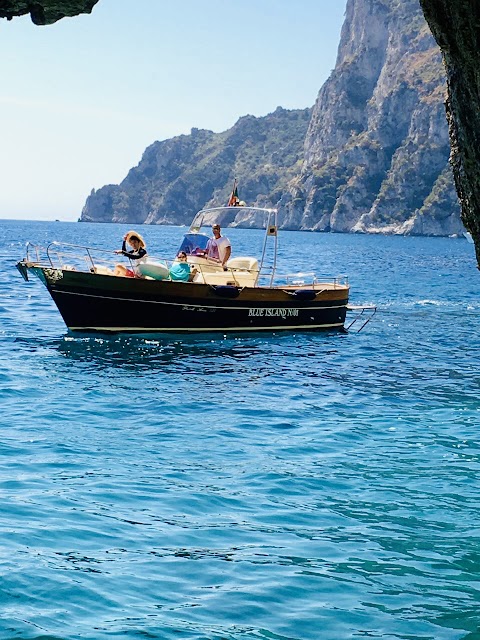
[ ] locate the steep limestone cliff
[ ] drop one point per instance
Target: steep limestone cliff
(375, 155)
(177, 177)
(455, 26)
(376, 152)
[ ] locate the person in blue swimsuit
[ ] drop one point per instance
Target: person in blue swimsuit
(180, 271)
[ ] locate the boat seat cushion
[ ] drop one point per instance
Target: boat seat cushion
(247, 264)
(102, 270)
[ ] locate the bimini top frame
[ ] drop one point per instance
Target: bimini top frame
(246, 218)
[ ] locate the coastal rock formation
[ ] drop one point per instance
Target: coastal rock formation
(456, 27)
(377, 148)
(45, 11)
(375, 154)
(177, 177)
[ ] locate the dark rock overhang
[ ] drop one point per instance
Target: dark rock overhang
(45, 11)
(455, 25)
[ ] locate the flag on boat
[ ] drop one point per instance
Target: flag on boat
(233, 200)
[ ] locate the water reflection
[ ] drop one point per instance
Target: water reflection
(191, 352)
(137, 351)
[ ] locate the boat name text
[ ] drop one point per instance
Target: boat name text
(273, 312)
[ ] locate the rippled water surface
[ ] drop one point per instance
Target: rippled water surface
(296, 486)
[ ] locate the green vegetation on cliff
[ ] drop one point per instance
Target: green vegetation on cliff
(366, 158)
(177, 177)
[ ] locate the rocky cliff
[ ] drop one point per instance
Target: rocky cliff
(375, 153)
(177, 177)
(455, 26)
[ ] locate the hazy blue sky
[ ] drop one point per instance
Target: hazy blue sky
(82, 99)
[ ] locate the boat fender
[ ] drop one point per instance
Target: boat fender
(226, 291)
(304, 294)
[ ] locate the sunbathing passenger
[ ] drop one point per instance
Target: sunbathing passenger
(180, 271)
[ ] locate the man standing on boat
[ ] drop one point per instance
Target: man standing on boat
(219, 247)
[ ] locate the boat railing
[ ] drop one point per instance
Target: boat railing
(58, 255)
(312, 279)
(33, 252)
(78, 257)
(73, 257)
(61, 255)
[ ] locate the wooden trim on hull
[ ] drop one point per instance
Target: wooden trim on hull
(97, 284)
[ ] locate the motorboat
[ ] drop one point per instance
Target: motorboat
(245, 294)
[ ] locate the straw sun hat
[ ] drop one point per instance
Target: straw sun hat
(129, 234)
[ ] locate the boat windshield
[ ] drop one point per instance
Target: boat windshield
(193, 242)
(243, 217)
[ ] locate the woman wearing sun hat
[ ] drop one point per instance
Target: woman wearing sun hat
(136, 253)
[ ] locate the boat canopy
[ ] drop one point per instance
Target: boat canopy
(239, 216)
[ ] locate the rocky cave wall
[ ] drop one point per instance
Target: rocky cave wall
(455, 25)
(45, 11)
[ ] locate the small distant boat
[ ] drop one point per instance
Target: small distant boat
(246, 295)
(468, 236)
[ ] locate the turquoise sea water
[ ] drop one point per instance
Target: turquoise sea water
(274, 487)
